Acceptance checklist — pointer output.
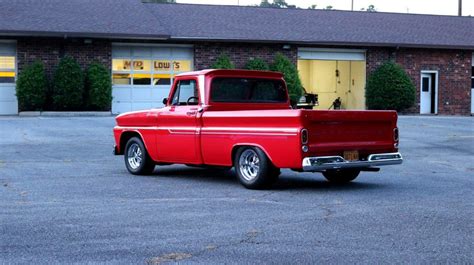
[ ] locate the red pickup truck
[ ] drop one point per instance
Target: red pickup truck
(243, 119)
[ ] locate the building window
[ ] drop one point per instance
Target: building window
(128, 71)
(7, 69)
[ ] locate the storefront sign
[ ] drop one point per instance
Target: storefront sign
(158, 65)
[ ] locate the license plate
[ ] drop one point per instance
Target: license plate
(351, 155)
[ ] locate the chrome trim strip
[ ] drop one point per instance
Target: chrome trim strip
(320, 163)
(219, 130)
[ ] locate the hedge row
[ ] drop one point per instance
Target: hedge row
(280, 64)
(71, 88)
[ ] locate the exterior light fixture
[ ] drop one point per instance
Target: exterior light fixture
(286, 47)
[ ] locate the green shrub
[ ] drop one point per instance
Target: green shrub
(390, 88)
(290, 73)
(223, 62)
(98, 87)
(68, 85)
(257, 64)
(31, 87)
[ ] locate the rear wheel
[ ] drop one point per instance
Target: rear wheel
(341, 176)
(254, 169)
(137, 160)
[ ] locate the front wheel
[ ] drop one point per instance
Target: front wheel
(341, 176)
(137, 160)
(254, 169)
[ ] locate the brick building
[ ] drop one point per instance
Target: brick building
(145, 44)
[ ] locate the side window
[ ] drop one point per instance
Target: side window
(186, 93)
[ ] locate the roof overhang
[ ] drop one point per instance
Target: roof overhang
(94, 35)
(325, 43)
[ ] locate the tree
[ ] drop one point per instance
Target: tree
(390, 88)
(68, 85)
(312, 7)
(223, 62)
(283, 65)
(98, 87)
(257, 64)
(31, 88)
(371, 8)
(329, 7)
(276, 4)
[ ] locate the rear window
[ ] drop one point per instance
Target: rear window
(248, 90)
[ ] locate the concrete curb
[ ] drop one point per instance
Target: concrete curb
(29, 113)
(65, 114)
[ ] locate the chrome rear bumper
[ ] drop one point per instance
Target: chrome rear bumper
(321, 163)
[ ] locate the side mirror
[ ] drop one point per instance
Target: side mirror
(165, 101)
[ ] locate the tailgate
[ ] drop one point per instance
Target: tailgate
(336, 132)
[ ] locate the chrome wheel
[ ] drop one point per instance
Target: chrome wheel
(134, 156)
(249, 164)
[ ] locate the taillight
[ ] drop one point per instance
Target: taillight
(395, 135)
(304, 136)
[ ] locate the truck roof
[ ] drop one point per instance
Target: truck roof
(232, 72)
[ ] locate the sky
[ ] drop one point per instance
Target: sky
(438, 7)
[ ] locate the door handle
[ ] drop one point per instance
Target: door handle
(191, 113)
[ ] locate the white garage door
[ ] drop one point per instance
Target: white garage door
(8, 101)
(142, 75)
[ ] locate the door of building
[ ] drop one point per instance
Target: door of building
(428, 94)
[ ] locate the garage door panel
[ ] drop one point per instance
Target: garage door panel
(181, 53)
(144, 52)
(121, 107)
(141, 93)
(129, 97)
(121, 52)
(121, 93)
(160, 93)
(8, 107)
(7, 92)
(142, 105)
(162, 52)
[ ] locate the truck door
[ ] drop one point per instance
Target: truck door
(178, 134)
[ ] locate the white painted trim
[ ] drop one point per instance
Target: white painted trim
(331, 54)
(171, 45)
(309, 49)
(472, 101)
(436, 80)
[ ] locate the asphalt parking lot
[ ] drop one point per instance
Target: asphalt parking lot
(65, 198)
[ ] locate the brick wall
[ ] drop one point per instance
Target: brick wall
(205, 54)
(50, 50)
(454, 74)
(375, 57)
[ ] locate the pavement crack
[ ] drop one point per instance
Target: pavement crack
(168, 257)
(328, 213)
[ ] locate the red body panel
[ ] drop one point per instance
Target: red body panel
(210, 132)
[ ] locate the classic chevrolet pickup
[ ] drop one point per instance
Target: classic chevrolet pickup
(243, 119)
